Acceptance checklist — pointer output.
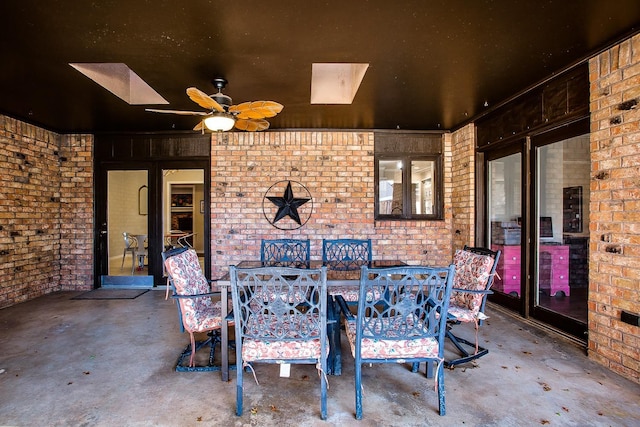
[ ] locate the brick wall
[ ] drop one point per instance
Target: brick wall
(43, 203)
(615, 208)
(338, 170)
(76, 212)
(463, 193)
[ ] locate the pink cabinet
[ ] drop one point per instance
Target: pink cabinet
(553, 269)
(553, 272)
(507, 279)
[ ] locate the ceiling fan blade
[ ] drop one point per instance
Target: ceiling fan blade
(181, 112)
(252, 125)
(256, 109)
(200, 126)
(203, 100)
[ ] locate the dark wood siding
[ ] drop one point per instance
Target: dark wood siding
(560, 100)
(148, 147)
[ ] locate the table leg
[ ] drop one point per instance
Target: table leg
(334, 362)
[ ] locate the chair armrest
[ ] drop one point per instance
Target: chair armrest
(344, 308)
(472, 291)
(208, 294)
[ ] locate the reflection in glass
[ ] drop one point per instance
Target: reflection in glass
(505, 210)
(422, 199)
(562, 266)
(390, 187)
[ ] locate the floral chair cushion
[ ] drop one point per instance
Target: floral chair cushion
(374, 348)
(471, 272)
(201, 313)
(279, 339)
(351, 293)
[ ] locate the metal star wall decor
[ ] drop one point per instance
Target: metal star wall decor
(287, 205)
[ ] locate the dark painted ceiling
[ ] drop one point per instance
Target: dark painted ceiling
(433, 63)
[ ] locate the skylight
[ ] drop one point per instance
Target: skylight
(333, 83)
(120, 80)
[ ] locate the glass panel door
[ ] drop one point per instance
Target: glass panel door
(183, 204)
(504, 202)
(127, 229)
(562, 211)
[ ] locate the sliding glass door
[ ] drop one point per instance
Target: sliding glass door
(561, 203)
(504, 206)
(537, 214)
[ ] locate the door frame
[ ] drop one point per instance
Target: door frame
(155, 213)
(558, 320)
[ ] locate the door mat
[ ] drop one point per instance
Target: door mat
(112, 294)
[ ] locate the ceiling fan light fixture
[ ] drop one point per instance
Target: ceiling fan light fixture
(220, 122)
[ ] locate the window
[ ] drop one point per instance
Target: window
(408, 187)
(408, 174)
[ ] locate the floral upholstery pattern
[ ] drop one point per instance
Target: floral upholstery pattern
(471, 272)
(284, 345)
(198, 314)
(374, 348)
(351, 293)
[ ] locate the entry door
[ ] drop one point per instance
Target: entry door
(125, 238)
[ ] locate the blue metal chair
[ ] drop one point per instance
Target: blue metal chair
(344, 255)
(403, 323)
(285, 252)
(280, 316)
(197, 312)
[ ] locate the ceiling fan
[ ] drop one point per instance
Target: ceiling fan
(222, 115)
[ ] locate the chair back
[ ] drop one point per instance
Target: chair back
(285, 252)
(407, 306)
(346, 254)
(130, 242)
(279, 304)
(280, 316)
(186, 278)
(474, 271)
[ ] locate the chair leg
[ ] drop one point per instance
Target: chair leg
(190, 350)
(466, 355)
(358, 375)
(323, 393)
(441, 393)
(239, 374)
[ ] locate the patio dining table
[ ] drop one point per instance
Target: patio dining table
(335, 279)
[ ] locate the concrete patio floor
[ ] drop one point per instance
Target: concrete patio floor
(67, 362)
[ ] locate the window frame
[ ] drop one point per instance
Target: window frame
(438, 187)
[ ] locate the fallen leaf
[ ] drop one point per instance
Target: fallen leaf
(527, 352)
(86, 372)
(254, 411)
(274, 408)
(564, 408)
(70, 382)
(545, 422)
(504, 367)
(416, 394)
(517, 367)
(199, 419)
